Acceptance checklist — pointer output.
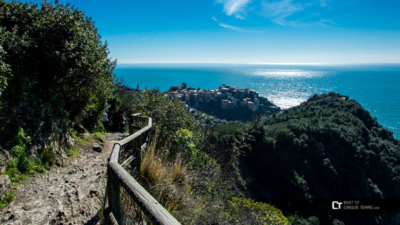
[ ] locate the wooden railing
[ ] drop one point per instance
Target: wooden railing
(126, 197)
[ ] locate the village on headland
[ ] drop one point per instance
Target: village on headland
(225, 102)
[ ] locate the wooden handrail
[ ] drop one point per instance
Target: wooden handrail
(137, 133)
(147, 203)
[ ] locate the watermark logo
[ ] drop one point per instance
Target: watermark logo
(336, 205)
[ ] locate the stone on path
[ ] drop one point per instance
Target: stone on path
(96, 147)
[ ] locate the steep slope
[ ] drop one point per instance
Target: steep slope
(328, 148)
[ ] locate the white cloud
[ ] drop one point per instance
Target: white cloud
(230, 27)
(235, 7)
(227, 26)
(278, 11)
(323, 3)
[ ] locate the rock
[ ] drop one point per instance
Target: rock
(79, 128)
(94, 192)
(59, 162)
(13, 217)
(96, 147)
(5, 186)
(4, 158)
(26, 207)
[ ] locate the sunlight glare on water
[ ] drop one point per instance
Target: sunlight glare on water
(285, 87)
(283, 74)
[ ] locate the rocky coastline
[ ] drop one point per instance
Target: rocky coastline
(224, 103)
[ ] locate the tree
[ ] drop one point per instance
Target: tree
(56, 57)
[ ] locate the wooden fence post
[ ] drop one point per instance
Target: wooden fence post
(130, 124)
(138, 153)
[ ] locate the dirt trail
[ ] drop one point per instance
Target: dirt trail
(66, 195)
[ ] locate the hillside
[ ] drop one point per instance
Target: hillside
(328, 148)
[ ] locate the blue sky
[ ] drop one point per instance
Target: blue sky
(248, 31)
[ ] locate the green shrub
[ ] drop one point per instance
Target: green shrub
(39, 166)
(15, 175)
(7, 200)
(15, 134)
(25, 165)
(99, 135)
(13, 163)
(49, 156)
(82, 76)
(73, 132)
(72, 152)
(18, 150)
(247, 211)
(298, 220)
(84, 141)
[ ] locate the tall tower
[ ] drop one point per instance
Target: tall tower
(138, 87)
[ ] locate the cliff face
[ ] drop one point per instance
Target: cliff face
(328, 148)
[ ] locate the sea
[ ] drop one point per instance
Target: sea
(375, 86)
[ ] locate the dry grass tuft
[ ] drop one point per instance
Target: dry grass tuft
(152, 168)
(179, 172)
(169, 184)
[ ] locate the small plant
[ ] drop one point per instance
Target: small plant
(15, 175)
(86, 141)
(7, 200)
(152, 168)
(72, 152)
(99, 135)
(49, 156)
(101, 200)
(18, 150)
(25, 164)
(39, 166)
(74, 133)
(179, 172)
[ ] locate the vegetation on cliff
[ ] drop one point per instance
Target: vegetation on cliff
(55, 72)
(326, 149)
(184, 169)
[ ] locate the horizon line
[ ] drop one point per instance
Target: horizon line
(258, 63)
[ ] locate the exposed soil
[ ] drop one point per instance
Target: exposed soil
(71, 194)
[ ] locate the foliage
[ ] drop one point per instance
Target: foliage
(182, 168)
(72, 152)
(15, 135)
(250, 212)
(240, 144)
(86, 141)
(168, 183)
(5, 71)
(54, 70)
(169, 116)
(184, 138)
(21, 164)
(49, 156)
(114, 110)
(7, 200)
(56, 52)
(298, 220)
(327, 147)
